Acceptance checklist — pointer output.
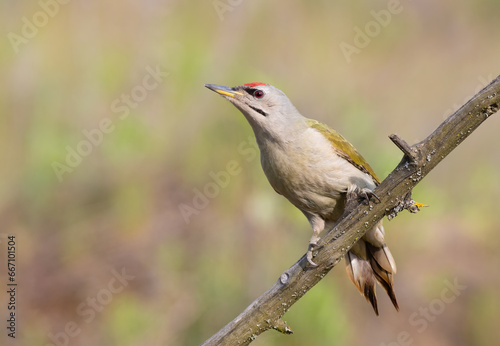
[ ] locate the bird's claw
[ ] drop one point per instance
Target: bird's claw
(364, 194)
(367, 194)
(310, 250)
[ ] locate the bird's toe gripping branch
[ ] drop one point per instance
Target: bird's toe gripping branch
(310, 249)
(367, 195)
(357, 195)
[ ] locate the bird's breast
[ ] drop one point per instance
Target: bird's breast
(308, 172)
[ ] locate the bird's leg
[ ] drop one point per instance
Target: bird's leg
(313, 244)
(317, 224)
(351, 201)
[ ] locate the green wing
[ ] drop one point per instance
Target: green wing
(343, 148)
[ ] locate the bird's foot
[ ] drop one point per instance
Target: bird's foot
(312, 247)
(361, 194)
(367, 195)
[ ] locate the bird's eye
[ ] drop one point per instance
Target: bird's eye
(258, 94)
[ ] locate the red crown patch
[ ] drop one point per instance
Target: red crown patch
(251, 85)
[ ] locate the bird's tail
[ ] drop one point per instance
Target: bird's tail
(369, 261)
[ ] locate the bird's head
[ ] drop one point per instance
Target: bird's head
(267, 109)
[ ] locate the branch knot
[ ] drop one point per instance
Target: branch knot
(410, 153)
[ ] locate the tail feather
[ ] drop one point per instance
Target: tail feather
(383, 276)
(383, 257)
(366, 264)
(361, 274)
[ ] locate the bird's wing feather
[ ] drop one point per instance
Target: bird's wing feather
(343, 148)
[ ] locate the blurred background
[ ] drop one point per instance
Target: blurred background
(140, 210)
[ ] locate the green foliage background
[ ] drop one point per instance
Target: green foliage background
(120, 206)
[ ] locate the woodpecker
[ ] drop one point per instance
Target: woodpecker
(315, 168)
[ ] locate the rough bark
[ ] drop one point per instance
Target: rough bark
(395, 195)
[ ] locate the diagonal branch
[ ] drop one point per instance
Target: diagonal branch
(395, 195)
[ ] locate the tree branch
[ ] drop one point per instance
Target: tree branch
(395, 195)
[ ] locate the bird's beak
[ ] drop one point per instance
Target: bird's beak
(223, 90)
